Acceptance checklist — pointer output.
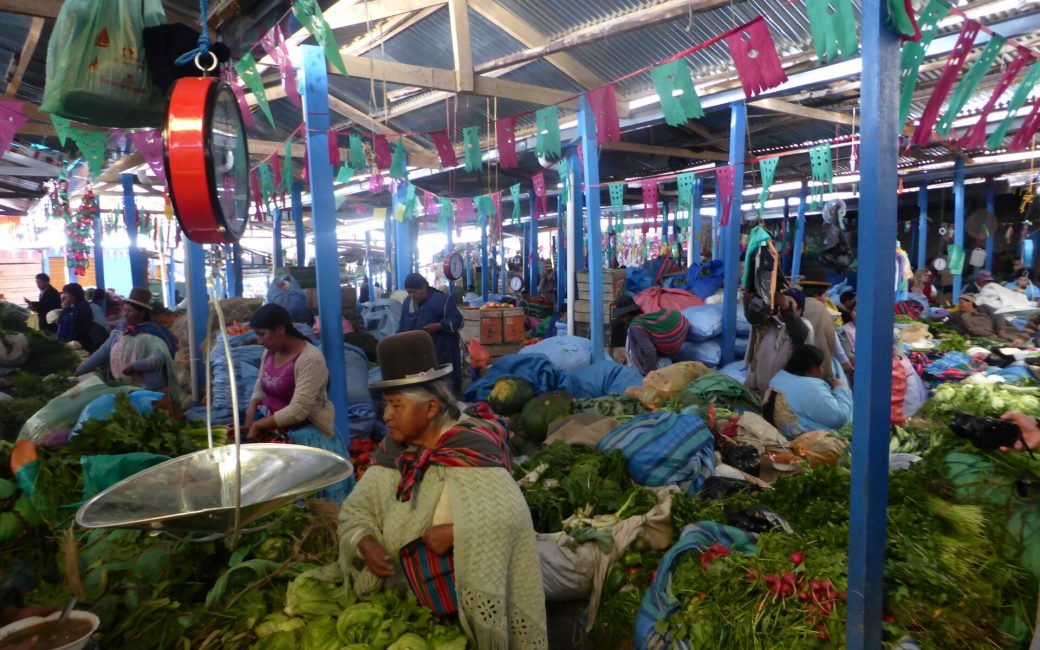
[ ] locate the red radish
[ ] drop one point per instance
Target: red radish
(797, 557)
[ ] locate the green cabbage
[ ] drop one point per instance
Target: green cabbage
(285, 640)
(360, 623)
(447, 638)
(278, 622)
(320, 634)
(311, 597)
(409, 642)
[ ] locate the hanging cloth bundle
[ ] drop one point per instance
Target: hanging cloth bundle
(762, 277)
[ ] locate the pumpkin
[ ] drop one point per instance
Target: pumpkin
(509, 395)
(542, 411)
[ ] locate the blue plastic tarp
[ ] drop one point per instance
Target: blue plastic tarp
(568, 353)
(704, 286)
(636, 280)
(103, 407)
(535, 368)
(603, 378)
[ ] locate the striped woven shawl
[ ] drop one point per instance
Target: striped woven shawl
(667, 329)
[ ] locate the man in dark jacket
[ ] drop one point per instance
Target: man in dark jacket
(428, 309)
(49, 300)
(77, 320)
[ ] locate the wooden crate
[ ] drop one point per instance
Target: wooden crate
(513, 330)
(614, 282)
(583, 310)
(499, 351)
(492, 326)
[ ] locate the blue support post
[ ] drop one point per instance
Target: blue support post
(695, 220)
(783, 230)
(171, 277)
(731, 232)
(579, 205)
(236, 277)
(279, 252)
(402, 250)
(297, 215)
(799, 231)
(561, 257)
(533, 261)
(323, 220)
(137, 271)
(229, 274)
(389, 247)
(922, 224)
(878, 213)
(958, 222)
(448, 249)
(198, 308)
(469, 269)
(587, 129)
(495, 285)
(484, 264)
(991, 207)
(99, 251)
(664, 223)
(413, 245)
(505, 267)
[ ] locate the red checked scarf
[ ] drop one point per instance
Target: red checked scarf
(470, 443)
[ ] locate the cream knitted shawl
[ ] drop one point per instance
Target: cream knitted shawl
(497, 569)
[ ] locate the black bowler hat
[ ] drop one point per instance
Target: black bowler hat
(408, 359)
(625, 305)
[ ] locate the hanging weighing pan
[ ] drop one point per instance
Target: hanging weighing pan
(196, 492)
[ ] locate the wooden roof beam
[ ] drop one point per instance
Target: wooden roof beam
(461, 45)
(25, 56)
(655, 150)
(789, 108)
(346, 13)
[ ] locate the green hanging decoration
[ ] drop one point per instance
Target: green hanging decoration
(344, 174)
(767, 168)
(547, 143)
(913, 54)
(514, 191)
(445, 214)
(287, 172)
(671, 77)
(563, 168)
(265, 175)
(822, 173)
(685, 183)
(61, 127)
(92, 145)
(357, 154)
(969, 83)
(313, 20)
(471, 145)
(246, 69)
(833, 27)
(901, 20)
(399, 163)
(617, 205)
(996, 139)
(485, 207)
(410, 202)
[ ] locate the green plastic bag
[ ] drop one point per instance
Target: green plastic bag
(96, 69)
(103, 471)
(63, 411)
(955, 254)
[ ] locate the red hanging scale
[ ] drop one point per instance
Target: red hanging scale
(207, 160)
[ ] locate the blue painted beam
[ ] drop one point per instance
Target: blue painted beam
(195, 278)
(922, 224)
(297, 215)
(731, 232)
(236, 278)
(587, 129)
(505, 267)
(137, 270)
(99, 252)
(799, 231)
(991, 207)
(579, 205)
(534, 261)
(171, 277)
(448, 248)
(388, 252)
(664, 223)
(878, 214)
(323, 219)
(958, 222)
(561, 257)
(495, 283)
(484, 264)
(229, 274)
(783, 229)
(279, 252)
(469, 269)
(695, 220)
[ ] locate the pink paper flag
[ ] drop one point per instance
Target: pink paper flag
(227, 73)
(334, 158)
(923, 133)
(382, 150)
(273, 43)
(975, 137)
(430, 205)
(754, 55)
(11, 120)
(1028, 129)
(150, 144)
(497, 199)
(360, 209)
(375, 182)
(604, 107)
(505, 134)
(541, 200)
(724, 175)
(258, 201)
(444, 148)
(650, 200)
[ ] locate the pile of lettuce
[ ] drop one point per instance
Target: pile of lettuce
(983, 396)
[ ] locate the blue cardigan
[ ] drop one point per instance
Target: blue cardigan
(816, 405)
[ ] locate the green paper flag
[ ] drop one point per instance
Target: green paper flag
(357, 154)
(669, 78)
(399, 164)
(969, 83)
(955, 254)
(410, 202)
(767, 168)
(287, 172)
(266, 177)
(313, 20)
(547, 121)
(833, 34)
(913, 54)
(617, 197)
(514, 191)
(92, 145)
(471, 145)
(564, 170)
(250, 76)
(485, 207)
(822, 173)
(685, 183)
(445, 213)
(996, 139)
(899, 20)
(345, 174)
(61, 127)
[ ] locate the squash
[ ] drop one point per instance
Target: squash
(509, 395)
(542, 411)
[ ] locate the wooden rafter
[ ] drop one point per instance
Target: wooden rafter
(790, 108)
(462, 49)
(345, 14)
(25, 56)
(656, 150)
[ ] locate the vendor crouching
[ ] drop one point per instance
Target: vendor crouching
(649, 337)
(440, 493)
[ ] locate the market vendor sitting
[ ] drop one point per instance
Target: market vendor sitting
(649, 337)
(441, 486)
(141, 352)
(773, 341)
(428, 309)
(799, 399)
(76, 321)
(972, 319)
(290, 401)
(1023, 283)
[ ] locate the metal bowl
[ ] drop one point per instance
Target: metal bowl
(196, 492)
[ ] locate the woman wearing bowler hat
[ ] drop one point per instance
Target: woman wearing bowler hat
(440, 488)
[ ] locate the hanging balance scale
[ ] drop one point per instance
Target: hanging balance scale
(207, 160)
(454, 267)
(516, 284)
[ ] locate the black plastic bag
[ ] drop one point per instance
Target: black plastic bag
(743, 457)
(758, 519)
(720, 487)
(985, 433)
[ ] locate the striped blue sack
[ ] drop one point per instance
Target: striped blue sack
(664, 448)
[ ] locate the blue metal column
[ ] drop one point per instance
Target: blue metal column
(279, 252)
(484, 264)
(878, 215)
(799, 231)
(448, 249)
(922, 225)
(236, 278)
(991, 207)
(229, 274)
(198, 308)
(402, 251)
(579, 205)
(389, 247)
(695, 220)
(664, 223)
(469, 269)
(99, 251)
(171, 277)
(783, 229)
(137, 272)
(323, 221)
(495, 285)
(731, 232)
(587, 129)
(297, 216)
(958, 223)
(561, 257)
(534, 261)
